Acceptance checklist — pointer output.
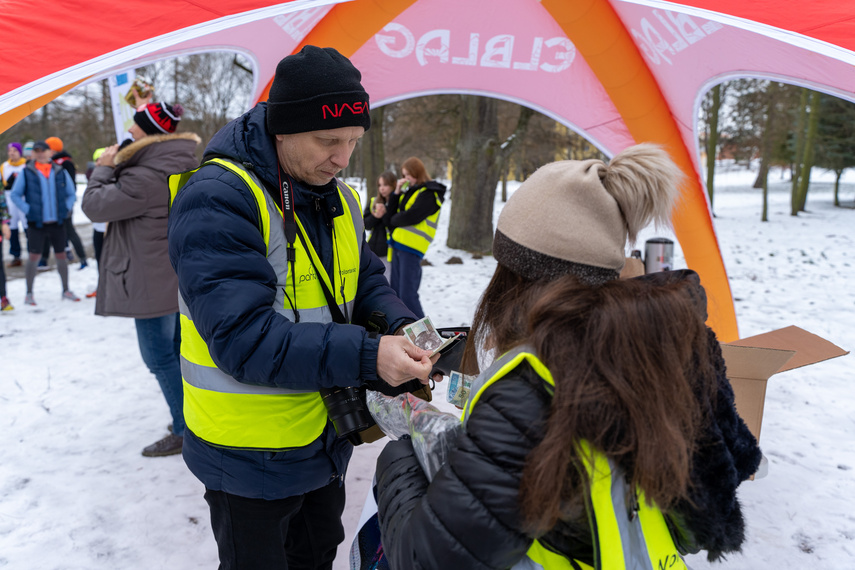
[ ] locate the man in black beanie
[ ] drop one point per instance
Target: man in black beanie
(276, 290)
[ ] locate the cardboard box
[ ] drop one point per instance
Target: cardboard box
(751, 361)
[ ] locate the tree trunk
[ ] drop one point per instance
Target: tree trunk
(712, 140)
(763, 175)
(797, 154)
(373, 153)
(762, 172)
(505, 168)
(838, 175)
(807, 163)
(476, 175)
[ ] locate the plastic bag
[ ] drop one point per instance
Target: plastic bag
(433, 432)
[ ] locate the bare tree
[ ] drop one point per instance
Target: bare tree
(477, 168)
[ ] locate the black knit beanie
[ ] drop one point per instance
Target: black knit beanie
(316, 89)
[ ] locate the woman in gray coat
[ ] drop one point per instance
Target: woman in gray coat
(129, 189)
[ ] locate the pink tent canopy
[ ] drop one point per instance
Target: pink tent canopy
(618, 72)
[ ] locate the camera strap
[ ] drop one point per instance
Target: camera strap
(289, 223)
(337, 315)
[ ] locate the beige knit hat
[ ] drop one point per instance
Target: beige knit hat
(576, 216)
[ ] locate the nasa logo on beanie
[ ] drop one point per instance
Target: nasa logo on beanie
(316, 89)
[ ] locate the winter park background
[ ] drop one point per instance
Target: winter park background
(77, 405)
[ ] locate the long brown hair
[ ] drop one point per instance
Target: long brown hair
(389, 178)
(630, 361)
(416, 169)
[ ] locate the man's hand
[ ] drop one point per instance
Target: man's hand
(399, 360)
(107, 157)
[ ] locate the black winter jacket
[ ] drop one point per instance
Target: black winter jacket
(424, 206)
(377, 241)
(468, 517)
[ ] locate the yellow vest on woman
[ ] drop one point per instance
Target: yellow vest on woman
(418, 236)
(228, 413)
(623, 537)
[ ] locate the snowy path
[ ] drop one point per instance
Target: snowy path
(77, 405)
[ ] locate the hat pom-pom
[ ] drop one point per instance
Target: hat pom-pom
(177, 109)
(644, 181)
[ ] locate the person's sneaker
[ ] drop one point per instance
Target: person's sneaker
(83, 265)
(29, 300)
(5, 305)
(43, 266)
(16, 262)
(92, 294)
(169, 445)
(69, 296)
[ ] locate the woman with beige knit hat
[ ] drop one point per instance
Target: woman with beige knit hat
(604, 434)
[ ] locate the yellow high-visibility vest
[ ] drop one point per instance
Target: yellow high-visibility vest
(228, 413)
(622, 536)
(419, 236)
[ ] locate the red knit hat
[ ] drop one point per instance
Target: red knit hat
(157, 118)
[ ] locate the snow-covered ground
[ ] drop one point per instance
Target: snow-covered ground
(77, 405)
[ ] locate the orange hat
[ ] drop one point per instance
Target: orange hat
(55, 143)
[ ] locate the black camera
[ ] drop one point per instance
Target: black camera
(348, 411)
(347, 407)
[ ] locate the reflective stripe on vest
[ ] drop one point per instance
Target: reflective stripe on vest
(419, 236)
(622, 538)
(229, 413)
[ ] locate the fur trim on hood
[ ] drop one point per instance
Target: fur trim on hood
(127, 152)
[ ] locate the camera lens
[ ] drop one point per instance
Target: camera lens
(348, 411)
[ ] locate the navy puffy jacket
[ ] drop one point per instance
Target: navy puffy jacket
(220, 257)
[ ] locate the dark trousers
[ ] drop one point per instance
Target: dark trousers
(70, 236)
(406, 278)
(51, 234)
(297, 533)
(15, 243)
(160, 346)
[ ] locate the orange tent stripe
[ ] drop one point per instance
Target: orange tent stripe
(347, 27)
(12, 116)
(601, 38)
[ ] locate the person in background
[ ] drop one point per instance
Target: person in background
(604, 434)
(5, 232)
(411, 217)
(8, 171)
(62, 158)
(98, 228)
(129, 190)
(373, 218)
(274, 310)
(45, 193)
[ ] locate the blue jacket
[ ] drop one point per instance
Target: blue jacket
(223, 274)
(44, 200)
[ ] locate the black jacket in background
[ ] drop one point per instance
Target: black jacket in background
(64, 159)
(377, 227)
(424, 206)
